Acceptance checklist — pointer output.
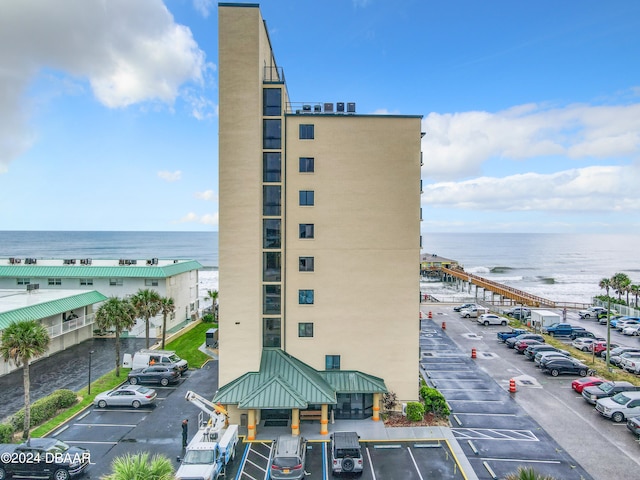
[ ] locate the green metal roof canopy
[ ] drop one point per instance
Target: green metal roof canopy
(285, 382)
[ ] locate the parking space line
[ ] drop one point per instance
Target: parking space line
(103, 425)
(373, 473)
(522, 460)
(91, 442)
(414, 463)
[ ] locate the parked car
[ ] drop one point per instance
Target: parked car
(602, 319)
(622, 324)
(591, 312)
(617, 351)
(491, 319)
(558, 366)
(464, 306)
(617, 321)
(531, 351)
(346, 453)
(511, 342)
(126, 396)
(584, 334)
(619, 407)
(518, 312)
(561, 329)
(632, 365)
(514, 332)
(583, 343)
(472, 312)
(547, 355)
(164, 375)
(600, 347)
(607, 389)
(580, 384)
(619, 360)
(521, 345)
(288, 457)
(633, 424)
(631, 330)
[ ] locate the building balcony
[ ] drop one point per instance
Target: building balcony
(70, 325)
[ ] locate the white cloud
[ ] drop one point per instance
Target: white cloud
(457, 144)
(208, 195)
(206, 219)
(590, 189)
(128, 51)
(170, 176)
(203, 7)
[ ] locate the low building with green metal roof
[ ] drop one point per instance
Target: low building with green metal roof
(174, 278)
(287, 389)
(68, 315)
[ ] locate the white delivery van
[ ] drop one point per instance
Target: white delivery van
(144, 358)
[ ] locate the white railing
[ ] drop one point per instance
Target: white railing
(74, 324)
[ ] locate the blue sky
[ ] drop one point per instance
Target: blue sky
(108, 108)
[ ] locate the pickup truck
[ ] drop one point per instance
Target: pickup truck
(42, 457)
(514, 332)
(561, 329)
(607, 389)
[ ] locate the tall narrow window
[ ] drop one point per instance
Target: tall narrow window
(271, 200)
(271, 299)
(307, 165)
(307, 131)
(272, 102)
(271, 133)
(271, 269)
(271, 332)
(271, 236)
(306, 230)
(306, 198)
(271, 167)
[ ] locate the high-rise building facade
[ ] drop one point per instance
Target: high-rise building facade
(319, 239)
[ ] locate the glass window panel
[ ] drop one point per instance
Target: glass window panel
(271, 133)
(306, 131)
(271, 266)
(305, 297)
(305, 329)
(271, 200)
(305, 264)
(306, 230)
(271, 299)
(271, 167)
(271, 236)
(272, 102)
(271, 332)
(306, 197)
(307, 164)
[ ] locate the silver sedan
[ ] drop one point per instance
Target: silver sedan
(126, 396)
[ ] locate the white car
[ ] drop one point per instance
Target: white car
(592, 312)
(474, 312)
(631, 330)
(620, 326)
(582, 343)
(491, 319)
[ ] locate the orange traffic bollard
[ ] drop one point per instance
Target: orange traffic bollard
(473, 353)
(444, 325)
(512, 386)
(430, 316)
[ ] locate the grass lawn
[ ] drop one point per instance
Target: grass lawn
(186, 346)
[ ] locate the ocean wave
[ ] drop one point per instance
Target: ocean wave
(478, 270)
(501, 269)
(547, 280)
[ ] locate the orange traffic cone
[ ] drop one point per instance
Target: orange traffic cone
(512, 386)
(430, 316)
(473, 353)
(444, 325)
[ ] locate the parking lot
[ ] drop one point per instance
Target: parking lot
(545, 424)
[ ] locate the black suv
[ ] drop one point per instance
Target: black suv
(346, 454)
(164, 375)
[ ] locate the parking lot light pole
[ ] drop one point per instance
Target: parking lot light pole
(89, 387)
(609, 335)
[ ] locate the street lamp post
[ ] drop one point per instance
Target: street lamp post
(89, 387)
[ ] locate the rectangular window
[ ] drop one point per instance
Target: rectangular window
(115, 282)
(271, 134)
(271, 233)
(271, 299)
(86, 281)
(271, 167)
(271, 200)
(271, 266)
(306, 230)
(332, 362)
(24, 281)
(307, 165)
(271, 332)
(306, 131)
(305, 264)
(54, 281)
(305, 297)
(272, 102)
(306, 198)
(151, 282)
(305, 329)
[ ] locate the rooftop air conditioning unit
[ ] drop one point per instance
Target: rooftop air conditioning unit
(328, 107)
(340, 107)
(306, 108)
(404, 409)
(351, 107)
(317, 108)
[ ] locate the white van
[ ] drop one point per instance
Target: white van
(144, 358)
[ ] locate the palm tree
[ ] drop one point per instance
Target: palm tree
(605, 284)
(21, 342)
(147, 304)
(527, 474)
(167, 306)
(619, 283)
(635, 290)
(139, 465)
(118, 314)
(213, 295)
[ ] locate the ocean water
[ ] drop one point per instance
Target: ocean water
(560, 267)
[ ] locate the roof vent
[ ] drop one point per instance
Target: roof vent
(30, 261)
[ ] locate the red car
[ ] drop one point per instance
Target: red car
(583, 382)
(600, 346)
(521, 345)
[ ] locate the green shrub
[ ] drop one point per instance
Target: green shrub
(415, 411)
(434, 402)
(45, 408)
(207, 318)
(6, 433)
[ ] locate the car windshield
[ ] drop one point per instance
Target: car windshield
(58, 447)
(174, 358)
(606, 387)
(193, 457)
(621, 399)
(143, 390)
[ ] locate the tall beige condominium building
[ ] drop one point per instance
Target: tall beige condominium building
(319, 242)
